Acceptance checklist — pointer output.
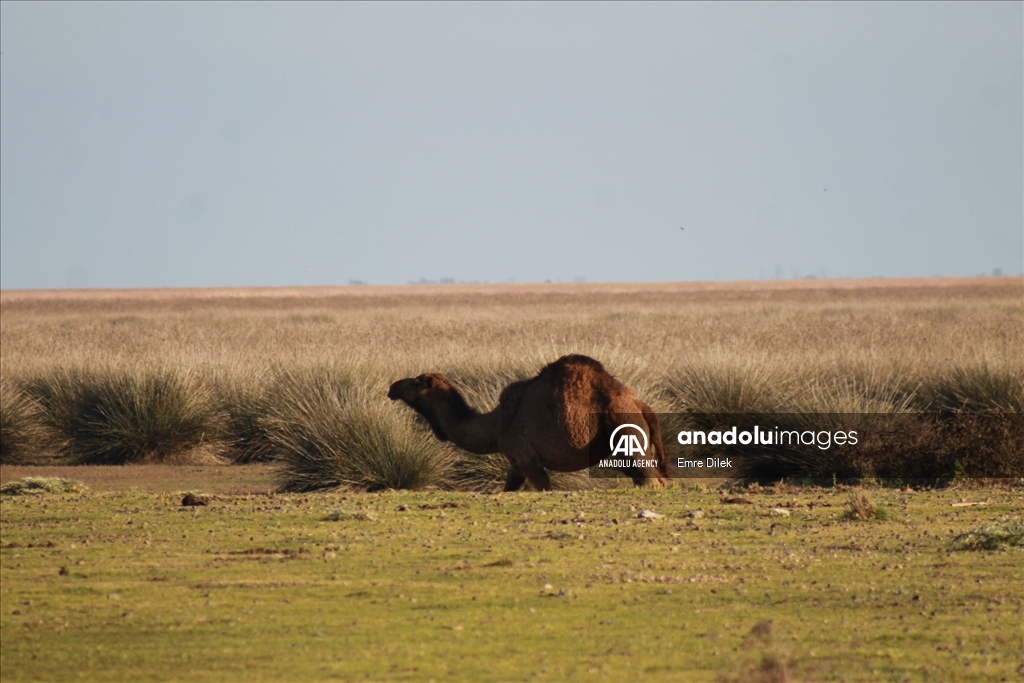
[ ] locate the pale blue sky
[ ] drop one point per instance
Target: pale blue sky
(203, 144)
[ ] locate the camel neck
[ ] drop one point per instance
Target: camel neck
(471, 431)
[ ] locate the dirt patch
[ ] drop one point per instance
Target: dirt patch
(226, 479)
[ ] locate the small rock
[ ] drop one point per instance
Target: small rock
(649, 514)
(780, 512)
(697, 514)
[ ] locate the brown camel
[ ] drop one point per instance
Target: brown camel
(561, 420)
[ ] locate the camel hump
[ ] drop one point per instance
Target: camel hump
(577, 362)
(583, 383)
(568, 395)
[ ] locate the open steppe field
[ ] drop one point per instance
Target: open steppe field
(768, 585)
(873, 331)
(811, 325)
(451, 580)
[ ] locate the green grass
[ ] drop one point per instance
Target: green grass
(462, 586)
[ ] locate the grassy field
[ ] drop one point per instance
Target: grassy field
(122, 582)
(779, 585)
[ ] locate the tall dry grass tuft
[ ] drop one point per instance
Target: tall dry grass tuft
(23, 439)
(731, 383)
(116, 416)
(244, 396)
(857, 387)
(327, 434)
(975, 387)
(479, 473)
(860, 506)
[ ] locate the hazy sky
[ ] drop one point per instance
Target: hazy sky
(202, 144)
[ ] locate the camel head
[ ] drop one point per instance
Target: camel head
(431, 395)
(416, 390)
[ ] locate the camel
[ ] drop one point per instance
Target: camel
(561, 420)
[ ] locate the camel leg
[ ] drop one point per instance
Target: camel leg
(636, 474)
(514, 480)
(660, 475)
(535, 472)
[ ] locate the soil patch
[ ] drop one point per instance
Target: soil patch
(223, 479)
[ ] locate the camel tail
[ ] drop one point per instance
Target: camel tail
(655, 431)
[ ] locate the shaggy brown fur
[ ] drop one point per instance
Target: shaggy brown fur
(560, 420)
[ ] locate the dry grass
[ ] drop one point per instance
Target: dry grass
(129, 413)
(1005, 532)
(35, 486)
(328, 434)
(23, 440)
(861, 507)
(878, 346)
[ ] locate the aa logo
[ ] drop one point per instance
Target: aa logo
(628, 443)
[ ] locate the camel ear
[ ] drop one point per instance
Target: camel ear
(427, 381)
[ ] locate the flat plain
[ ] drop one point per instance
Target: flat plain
(120, 581)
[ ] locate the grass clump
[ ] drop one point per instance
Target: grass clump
(35, 486)
(861, 507)
(479, 473)
(131, 415)
(245, 400)
(345, 515)
(730, 384)
(22, 436)
(328, 435)
(978, 387)
(1005, 531)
